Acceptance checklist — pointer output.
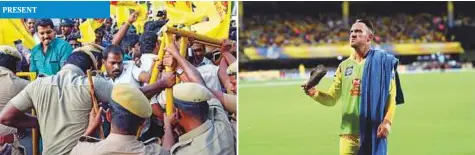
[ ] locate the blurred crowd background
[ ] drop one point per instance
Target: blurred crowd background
(330, 28)
(285, 35)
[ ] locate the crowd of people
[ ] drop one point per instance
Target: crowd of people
(132, 107)
(325, 28)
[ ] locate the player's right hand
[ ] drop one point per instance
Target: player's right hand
(310, 92)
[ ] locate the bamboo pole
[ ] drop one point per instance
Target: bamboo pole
(94, 101)
(189, 34)
(207, 44)
(183, 50)
(161, 53)
(169, 91)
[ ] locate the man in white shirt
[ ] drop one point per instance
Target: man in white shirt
(207, 69)
(119, 71)
(149, 48)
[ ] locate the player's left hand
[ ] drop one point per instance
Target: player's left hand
(384, 129)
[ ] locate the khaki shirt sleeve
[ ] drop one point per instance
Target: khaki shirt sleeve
(23, 101)
(330, 97)
(103, 89)
(217, 112)
(391, 109)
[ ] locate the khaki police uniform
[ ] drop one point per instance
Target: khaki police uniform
(11, 86)
(131, 98)
(63, 104)
(117, 144)
(213, 137)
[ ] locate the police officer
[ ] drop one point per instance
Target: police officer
(95, 50)
(129, 109)
(63, 102)
(206, 128)
(11, 86)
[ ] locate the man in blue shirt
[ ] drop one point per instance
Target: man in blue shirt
(48, 57)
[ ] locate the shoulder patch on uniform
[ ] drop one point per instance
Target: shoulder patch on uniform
(349, 70)
(88, 139)
(152, 140)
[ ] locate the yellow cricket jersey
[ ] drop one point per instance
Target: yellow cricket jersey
(346, 88)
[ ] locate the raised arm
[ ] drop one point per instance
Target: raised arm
(223, 76)
(330, 97)
(124, 28)
(193, 75)
(14, 113)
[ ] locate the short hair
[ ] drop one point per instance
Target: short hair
(129, 41)
(124, 119)
(114, 49)
(100, 30)
(154, 26)
(368, 24)
(8, 61)
(97, 55)
(72, 37)
(148, 42)
(44, 22)
(80, 59)
(198, 110)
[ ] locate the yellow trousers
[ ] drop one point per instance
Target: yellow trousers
(349, 144)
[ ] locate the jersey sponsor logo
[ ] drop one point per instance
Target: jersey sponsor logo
(349, 71)
(355, 90)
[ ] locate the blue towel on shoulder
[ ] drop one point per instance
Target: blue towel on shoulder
(376, 80)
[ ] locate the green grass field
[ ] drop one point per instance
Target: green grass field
(438, 118)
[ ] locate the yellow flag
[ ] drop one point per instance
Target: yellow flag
(181, 12)
(123, 11)
(87, 30)
(219, 15)
(142, 18)
(14, 29)
(155, 7)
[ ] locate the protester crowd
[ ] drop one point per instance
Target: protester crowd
(131, 118)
